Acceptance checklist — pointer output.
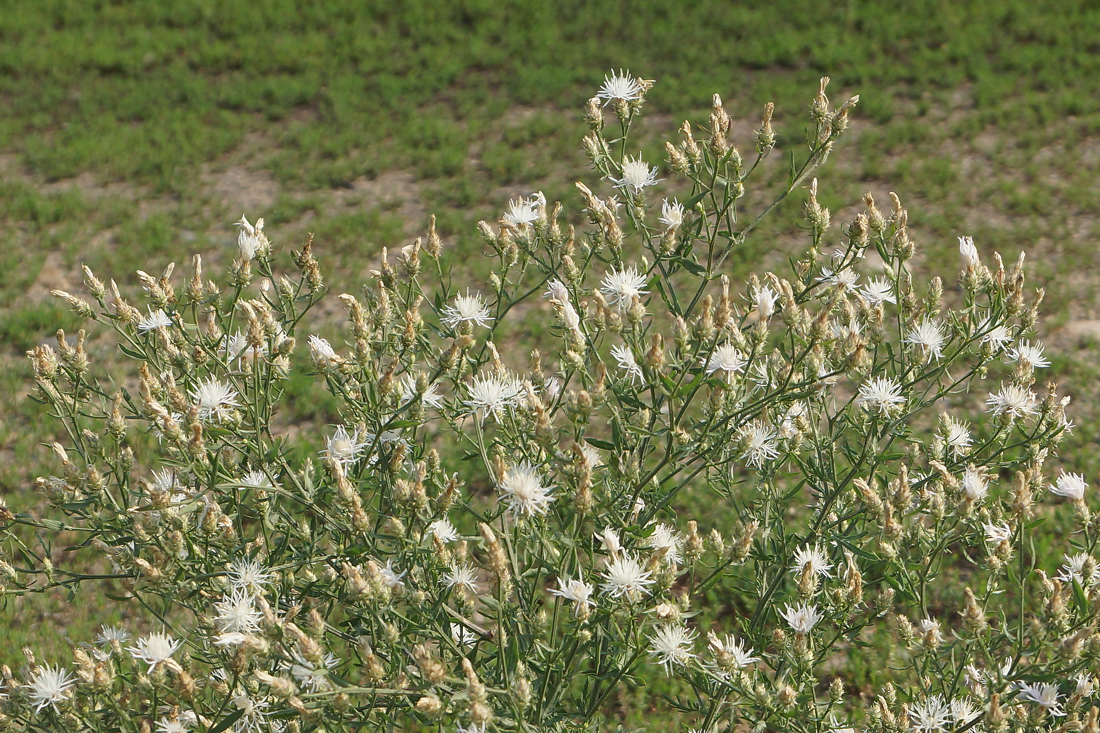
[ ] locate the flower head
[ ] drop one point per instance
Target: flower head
(997, 533)
(251, 239)
(731, 651)
(236, 613)
(878, 291)
(930, 715)
(410, 389)
(323, 355)
(466, 309)
(927, 337)
(666, 541)
(493, 394)
(881, 394)
(49, 686)
(248, 576)
(728, 359)
(111, 636)
(461, 575)
(1070, 485)
(443, 530)
(170, 725)
(620, 86)
(156, 319)
(343, 447)
(670, 645)
(577, 591)
(812, 560)
(622, 286)
(1029, 354)
(522, 212)
(637, 174)
(974, 484)
(155, 649)
(1044, 694)
(956, 436)
(968, 252)
(1081, 568)
(624, 576)
(672, 215)
(214, 398)
(523, 492)
(625, 359)
(759, 442)
(765, 298)
(801, 618)
(1013, 400)
(313, 677)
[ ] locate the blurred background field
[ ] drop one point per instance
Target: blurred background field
(135, 133)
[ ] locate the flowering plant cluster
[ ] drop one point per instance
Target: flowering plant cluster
(493, 536)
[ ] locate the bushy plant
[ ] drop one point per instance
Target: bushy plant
(493, 538)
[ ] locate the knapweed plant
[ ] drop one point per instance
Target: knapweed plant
(493, 538)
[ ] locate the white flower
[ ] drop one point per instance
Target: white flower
(577, 591)
(930, 629)
(672, 215)
(156, 319)
(238, 348)
(726, 358)
(930, 715)
(812, 559)
(431, 396)
(49, 686)
(1086, 685)
(215, 399)
(323, 355)
(231, 638)
(1044, 694)
(1013, 400)
(167, 725)
(666, 541)
(879, 291)
(624, 576)
(523, 492)
(637, 174)
(1031, 355)
(493, 394)
(1075, 568)
(765, 299)
(801, 618)
(956, 436)
(391, 577)
(235, 613)
(462, 575)
(1070, 485)
(759, 442)
(256, 479)
(625, 359)
(254, 715)
(620, 86)
(974, 484)
(609, 540)
(313, 677)
(155, 649)
(466, 309)
(843, 279)
(731, 651)
(968, 252)
(996, 336)
(620, 288)
(671, 645)
(522, 212)
(963, 711)
(927, 337)
(997, 533)
(881, 394)
(250, 239)
(248, 576)
(556, 290)
(462, 635)
(343, 447)
(111, 636)
(592, 456)
(443, 530)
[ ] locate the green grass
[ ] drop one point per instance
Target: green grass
(119, 115)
